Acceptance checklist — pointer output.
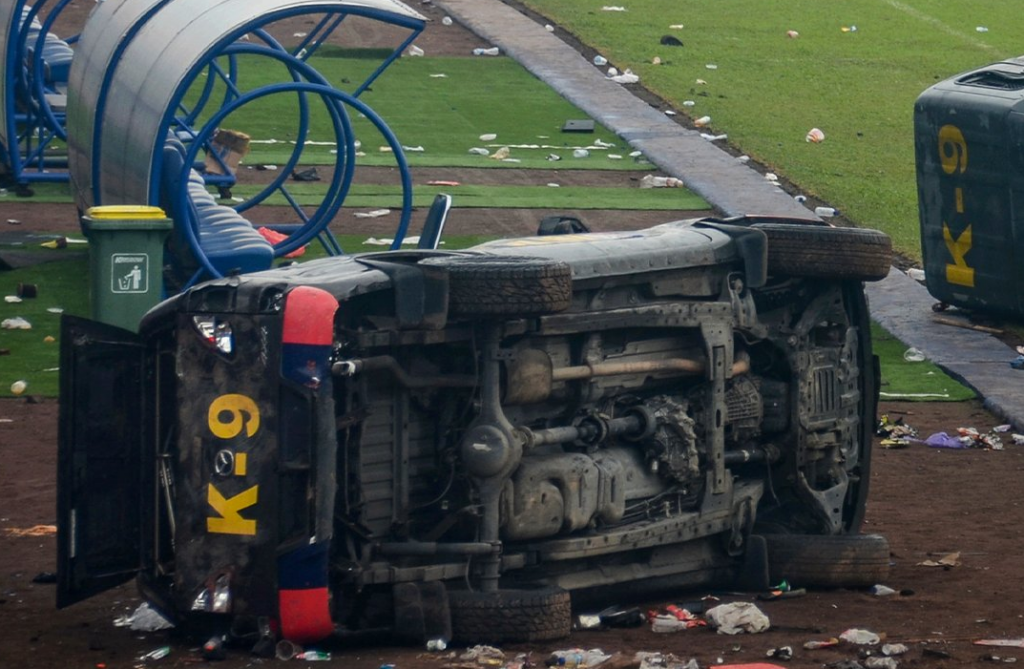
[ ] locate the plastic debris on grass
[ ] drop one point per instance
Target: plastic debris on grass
(447, 21)
(15, 323)
(815, 136)
(818, 644)
(385, 241)
(492, 51)
(501, 154)
(913, 355)
(613, 8)
(792, 34)
(626, 77)
(414, 50)
(652, 181)
(702, 121)
(18, 387)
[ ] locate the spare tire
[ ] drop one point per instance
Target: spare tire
(510, 616)
(825, 252)
(828, 561)
(505, 285)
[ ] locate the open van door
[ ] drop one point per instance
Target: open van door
(101, 456)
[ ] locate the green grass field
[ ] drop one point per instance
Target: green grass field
(768, 90)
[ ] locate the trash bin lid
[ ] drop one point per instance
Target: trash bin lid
(125, 211)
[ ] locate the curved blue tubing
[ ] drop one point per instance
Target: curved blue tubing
(306, 232)
(38, 79)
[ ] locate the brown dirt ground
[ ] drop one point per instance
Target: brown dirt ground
(926, 502)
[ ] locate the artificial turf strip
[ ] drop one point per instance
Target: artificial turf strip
(469, 196)
(464, 196)
(446, 116)
(903, 379)
(769, 89)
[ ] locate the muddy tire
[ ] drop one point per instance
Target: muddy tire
(510, 616)
(825, 252)
(839, 561)
(505, 285)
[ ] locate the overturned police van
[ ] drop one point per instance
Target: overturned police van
(464, 444)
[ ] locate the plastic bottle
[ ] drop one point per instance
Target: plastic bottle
(826, 212)
(313, 656)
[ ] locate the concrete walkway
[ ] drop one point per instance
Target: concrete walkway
(899, 304)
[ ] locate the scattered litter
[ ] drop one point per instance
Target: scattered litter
(848, 29)
(501, 154)
(713, 138)
(480, 151)
(669, 112)
(157, 654)
(12, 299)
(309, 174)
(737, 618)
(792, 34)
(552, 184)
(550, 28)
(49, 339)
(656, 60)
(895, 433)
(439, 75)
(438, 182)
(299, 34)
(16, 323)
(702, 121)
(314, 656)
(18, 387)
(45, 577)
(652, 181)
(144, 619)
(385, 149)
(376, 213)
(981, 29)
(601, 144)
(576, 657)
(880, 590)
(1002, 428)
(580, 153)
(626, 77)
(800, 198)
(613, 8)
(688, 103)
(826, 212)
(700, 82)
(876, 662)
(488, 137)
(676, 26)
(59, 243)
(771, 176)
(1003, 643)
(860, 637)
(488, 655)
(414, 50)
(670, 40)
(943, 440)
(916, 274)
(600, 61)
(711, 66)
(785, 653)
(413, 149)
(614, 156)
(493, 51)
(891, 649)
(55, 310)
(553, 157)
(949, 560)
(635, 154)
(743, 159)
(815, 136)
(816, 644)
(446, 21)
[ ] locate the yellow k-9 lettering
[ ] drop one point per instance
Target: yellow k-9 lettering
(230, 416)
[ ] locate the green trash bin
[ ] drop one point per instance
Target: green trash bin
(126, 251)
